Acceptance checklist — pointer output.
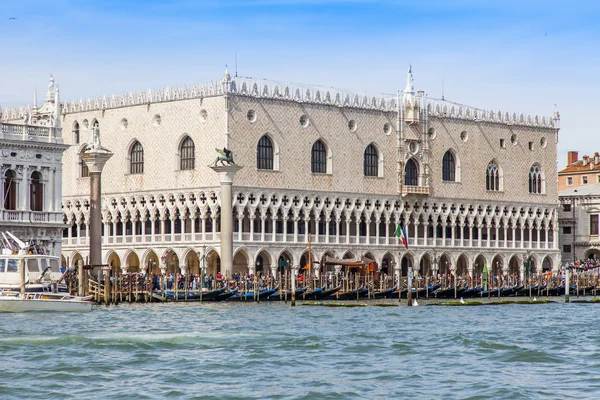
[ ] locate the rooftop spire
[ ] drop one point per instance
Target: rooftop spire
(50, 92)
(409, 89)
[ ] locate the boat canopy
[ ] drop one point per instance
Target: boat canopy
(350, 262)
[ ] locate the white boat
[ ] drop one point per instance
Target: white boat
(60, 302)
(36, 276)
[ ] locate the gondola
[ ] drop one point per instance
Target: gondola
(471, 292)
(350, 295)
(385, 294)
(251, 296)
(510, 291)
(323, 294)
(224, 295)
(282, 296)
(449, 292)
(525, 291)
(194, 296)
(307, 295)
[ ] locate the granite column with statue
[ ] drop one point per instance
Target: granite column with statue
(226, 171)
(95, 157)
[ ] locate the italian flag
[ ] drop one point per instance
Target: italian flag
(401, 233)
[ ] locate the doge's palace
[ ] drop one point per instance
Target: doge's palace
(473, 187)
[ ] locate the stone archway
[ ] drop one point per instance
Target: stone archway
(173, 263)
(263, 262)
(425, 265)
(547, 264)
(132, 262)
(408, 261)
(497, 266)
(152, 263)
(514, 266)
(192, 263)
(592, 254)
(284, 262)
(462, 266)
(114, 262)
(444, 264)
(240, 262)
(213, 263)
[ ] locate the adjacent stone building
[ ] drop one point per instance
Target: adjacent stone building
(31, 151)
(578, 221)
(473, 187)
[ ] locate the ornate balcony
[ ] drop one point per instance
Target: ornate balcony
(418, 190)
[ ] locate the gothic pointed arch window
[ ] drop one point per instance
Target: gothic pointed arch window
(371, 161)
(535, 179)
(265, 154)
(319, 158)
(449, 167)
(10, 190)
(76, 136)
(187, 154)
(36, 192)
(411, 173)
(492, 177)
(136, 159)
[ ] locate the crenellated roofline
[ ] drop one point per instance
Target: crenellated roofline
(301, 93)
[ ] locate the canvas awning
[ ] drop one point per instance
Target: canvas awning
(350, 262)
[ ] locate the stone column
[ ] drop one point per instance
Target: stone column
(25, 189)
(95, 159)
(226, 175)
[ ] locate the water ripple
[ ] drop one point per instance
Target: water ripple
(257, 351)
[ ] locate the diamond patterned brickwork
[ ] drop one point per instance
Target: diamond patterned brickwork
(482, 146)
(161, 144)
(281, 119)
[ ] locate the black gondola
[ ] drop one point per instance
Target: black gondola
(224, 295)
(385, 294)
(323, 295)
(282, 296)
(350, 295)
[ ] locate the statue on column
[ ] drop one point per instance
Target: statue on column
(225, 156)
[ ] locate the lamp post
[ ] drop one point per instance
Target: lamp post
(435, 267)
(453, 269)
(397, 279)
(527, 265)
(203, 270)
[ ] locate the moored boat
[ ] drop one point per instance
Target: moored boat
(59, 302)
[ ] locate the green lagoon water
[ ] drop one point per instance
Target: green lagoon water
(259, 351)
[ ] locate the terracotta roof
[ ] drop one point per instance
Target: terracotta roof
(578, 166)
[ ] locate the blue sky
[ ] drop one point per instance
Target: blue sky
(518, 56)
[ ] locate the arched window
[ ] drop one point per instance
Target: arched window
(492, 177)
(448, 167)
(84, 170)
(10, 190)
(371, 161)
(136, 159)
(264, 153)
(535, 179)
(411, 173)
(187, 154)
(319, 158)
(36, 192)
(76, 137)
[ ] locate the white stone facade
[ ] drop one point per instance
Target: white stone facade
(31, 151)
(578, 221)
(170, 214)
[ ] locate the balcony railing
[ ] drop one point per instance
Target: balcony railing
(420, 190)
(29, 132)
(31, 216)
